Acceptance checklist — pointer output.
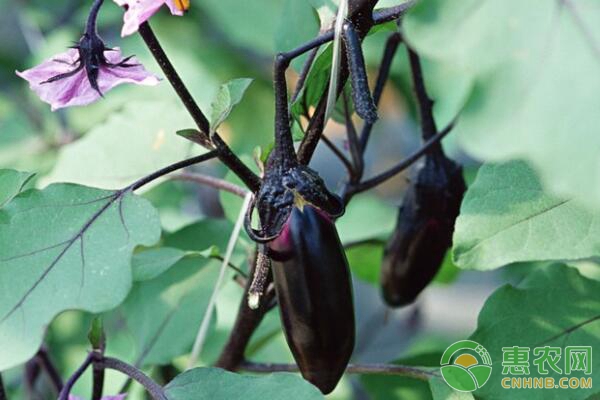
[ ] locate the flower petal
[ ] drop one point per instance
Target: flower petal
(75, 90)
(140, 11)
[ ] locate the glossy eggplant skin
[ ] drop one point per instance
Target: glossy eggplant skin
(314, 291)
(424, 229)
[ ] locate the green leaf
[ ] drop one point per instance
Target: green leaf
(161, 316)
(11, 184)
(65, 247)
(130, 144)
(149, 264)
(441, 391)
(366, 217)
(527, 102)
(365, 261)
(507, 217)
(297, 25)
(216, 384)
(554, 306)
(228, 96)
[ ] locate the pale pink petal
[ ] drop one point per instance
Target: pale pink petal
(76, 90)
(173, 7)
(116, 397)
(139, 11)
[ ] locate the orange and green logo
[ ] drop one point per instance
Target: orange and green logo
(466, 365)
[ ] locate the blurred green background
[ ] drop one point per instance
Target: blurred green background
(131, 132)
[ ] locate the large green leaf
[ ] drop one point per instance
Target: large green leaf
(554, 306)
(161, 316)
(216, 384)
(11, 184)
(65, 247)
(507, 217)
(298, 24)
(130, 144)
(536, 70)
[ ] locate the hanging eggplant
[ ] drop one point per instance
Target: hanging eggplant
(313, 286)
(423, 233)
(310, 270)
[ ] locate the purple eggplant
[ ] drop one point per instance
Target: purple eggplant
(314, 290)
(423, 233)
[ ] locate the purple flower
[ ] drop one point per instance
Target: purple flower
(140, 11)
(82, 74)
(116, 397)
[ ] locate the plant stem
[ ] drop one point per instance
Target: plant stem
(90, 27)
(153, 388)
(171, 168)
(203, 330)
(425, 104)
(225, 154)
(363, 369)
(64, 393)
(2, 391)
(407, 162)
(304, 74)
(391, 47)
(211, 181)
(46, 364)
(246, 322)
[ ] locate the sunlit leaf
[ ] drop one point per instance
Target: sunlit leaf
(216, 384)
(508, 217)
(65, 247)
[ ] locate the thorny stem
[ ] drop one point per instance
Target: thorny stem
(283, 152)
(225, 154)
(153, 388)
(90, 26)
(363, 369)
(317, 123)
(64, 393)
(43, 359)
(211, 181)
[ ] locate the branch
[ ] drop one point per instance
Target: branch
(2, 391)
(211, 181)
(225, 153)
(338, 153)
(363, 369)
(407, 162)
(425, 104)
(46, 364)
(153, 388)
(391, 46)
(246, 322)
(64, 393)
(171, 168)
(304, 74)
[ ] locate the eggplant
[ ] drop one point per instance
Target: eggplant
(424, 229)
(314, 291)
